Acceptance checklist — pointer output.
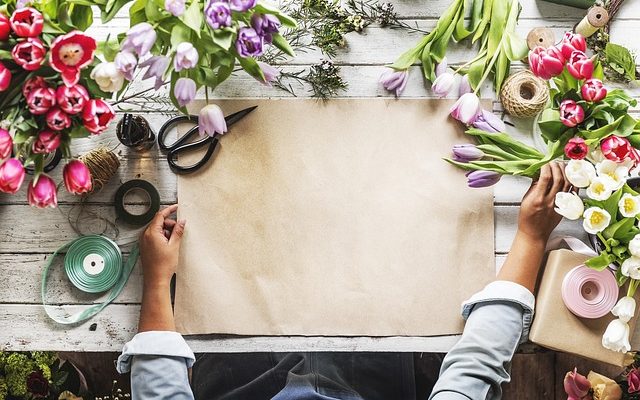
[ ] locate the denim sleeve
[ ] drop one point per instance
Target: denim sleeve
(498, 320)
(159, 363)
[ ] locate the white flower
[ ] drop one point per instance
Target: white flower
(596, 155)
(629, 205)
(631, 267)
(599, 189)
(614, 174)
(569, 205)
(616, 337)
(595, 220)
(625, 308)
(108, 77)
(634, 246)
(579, 173)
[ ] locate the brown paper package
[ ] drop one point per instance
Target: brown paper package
(555, 327)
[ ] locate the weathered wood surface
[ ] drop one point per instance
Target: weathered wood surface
(28, 236)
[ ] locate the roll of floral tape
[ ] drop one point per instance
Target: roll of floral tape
(588, 293)
(137, 219)
(93, 264)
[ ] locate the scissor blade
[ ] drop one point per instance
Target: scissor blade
(235, 117)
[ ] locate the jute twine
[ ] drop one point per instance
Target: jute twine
(103, 165)
(524, 95)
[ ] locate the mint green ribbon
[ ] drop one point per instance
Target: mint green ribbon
(93, 264)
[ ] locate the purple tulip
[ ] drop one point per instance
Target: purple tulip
(266, 25)
(157, 67)
(465, 153)
(465, 86)
(444, 84)
(140, 38)
(218, 14)
(441, 67)
(211, 121)
(242, 5)
(175, 7)
(480, 179)
(394, 80)
(249, 43)
(489, 122)
(184, 91)
(270, 73)
(126, 63)
(466, 109)
(186, 57)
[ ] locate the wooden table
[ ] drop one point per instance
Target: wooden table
(28, 236)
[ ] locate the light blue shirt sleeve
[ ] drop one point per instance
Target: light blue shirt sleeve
(159, 363)
(498, 320)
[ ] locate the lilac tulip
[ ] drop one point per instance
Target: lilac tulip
(140, 38)
(489, 122)
(266, 25)
(184, 91)
(441, 67)
(126, 63)
(175, 7)
(394, 80)
(242, 5)
(157, 67)
(270, 73)
(211, 121)
(218, 14)
(444, 84)
(466, 109)
(249, 43)
(186, 57)
(466, 153)
(465, 86)
(480, 179)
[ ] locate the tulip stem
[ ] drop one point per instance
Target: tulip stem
(633, 286)
(476, 58)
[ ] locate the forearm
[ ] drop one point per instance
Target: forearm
(156, 313)
(524, 260)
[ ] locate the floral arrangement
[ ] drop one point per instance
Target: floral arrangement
(34, 375)
(599, 387)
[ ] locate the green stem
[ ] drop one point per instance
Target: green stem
(481, 54)
(633, 286)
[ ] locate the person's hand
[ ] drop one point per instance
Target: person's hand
(537, 216)
(160, 246)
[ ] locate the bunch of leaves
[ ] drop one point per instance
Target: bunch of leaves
(15, 368)
(324, 80)
(619, 64)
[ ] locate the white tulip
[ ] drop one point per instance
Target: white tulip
(631, 267)
(625, 308)
(569, 205)
(596, 155)
(629, 205)
(616, 337)
(580, 173)
(599, 189)
(634, 246)
(614, 174)
(108, 77)
(596, 220)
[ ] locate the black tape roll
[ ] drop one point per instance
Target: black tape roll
(51, 160)
(134, 219)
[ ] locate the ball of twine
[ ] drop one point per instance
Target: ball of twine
(524, 95)
(103, 165)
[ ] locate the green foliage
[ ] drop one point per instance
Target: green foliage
(15, 367)
(621, 60)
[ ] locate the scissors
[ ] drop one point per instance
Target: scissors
(183, 145)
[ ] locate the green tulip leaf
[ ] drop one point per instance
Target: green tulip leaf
(515, 47)
(280, 42)
(600, 262)
(192, 17)
(619, 55)
(428, 69)
(550, 125)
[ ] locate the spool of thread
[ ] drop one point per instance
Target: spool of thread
(588, 293)
(135, 132)
(540, 36)
(524, 95)
(103, 165)
(597, 17)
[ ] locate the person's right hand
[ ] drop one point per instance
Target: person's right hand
(537, 217)
(160, 247)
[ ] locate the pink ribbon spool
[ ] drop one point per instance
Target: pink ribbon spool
(589, 293)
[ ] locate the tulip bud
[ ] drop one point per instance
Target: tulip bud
(633, 380)
(97, 115)
(211, 121)
(47, 142)
(489, 122)
(467, 152)
(57, 119)
(270, 73)
(77, 178)
(571, 114)
(72, 99)
(576, 385)
(29, 54)
(546, 63)
(42, 192)
(41, 100)
(186, 57)
(616, 148)
(6, 144)
(175, 7)
(616, 336)
(140, 38)
(444, 84)
(441, 67)
(184, 91)
(572, 42)
(480, 179)
(5, 27)
(593, 90)
(32, 84)
(466, 109)
(126, 63)
(625, 308)
(394, 81)
(108, 77)
(569, 205)
(11, 176)
(465, 86)
(580, 66)
(5, 77)
(576, 148)
(27, 22)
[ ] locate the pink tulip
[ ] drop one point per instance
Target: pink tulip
(41, 100)
(572, 42)
(616, 148)
(580, 66)
(27, 22)
(633, 380)
(47, 142)
(43, 192)
(29, 54)
(77, 178)
(546, 63)
(5, 77)
(593, 90)
(6, 144)
(466, 109)
(72, 99)
(57, 119)
(571, 114)
(211, 121)
(576, 386)
(11, 176)
(576, 148)
(5, 27)
(97, 115)
(32, 84)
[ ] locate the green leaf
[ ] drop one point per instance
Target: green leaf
(501, 69)
(600, 262)
(506, 142)
(550, 125)
(476, 69)
(285, 20)
(611, 206)
(152, 11)
(409, 57)
(280, 42)
(515, 47)
(486, 17)
(192, 17)
(106, 16)
(22, 136)
(499, 13)
(223, 38)
(598, 71)
(180, 34)
(109, 48)
(620, 228)
(136, 12)
(79, 131)
(250, 65)
(428, 69)
(619, 55)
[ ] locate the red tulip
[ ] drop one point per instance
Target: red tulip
(57, 119)
(580, 66)
(5, 27)
(29, 54)
(572, 42)
(633, 380)
(77, 177)
(70, 53)
(616, 148)
(576, 385)
(47, 142)
(27, 22)
(71, 99)
(43, 192)
(32, 84)
(6, 144)
(571, 114)
(593, 90)
(546, 63)
(11, 176)
(576, 148)
(5, 77)
(97, 115)
(41, 100)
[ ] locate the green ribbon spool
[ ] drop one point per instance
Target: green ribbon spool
(93, 264)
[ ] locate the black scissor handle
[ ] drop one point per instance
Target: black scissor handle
(170, 124)
(210, 142)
